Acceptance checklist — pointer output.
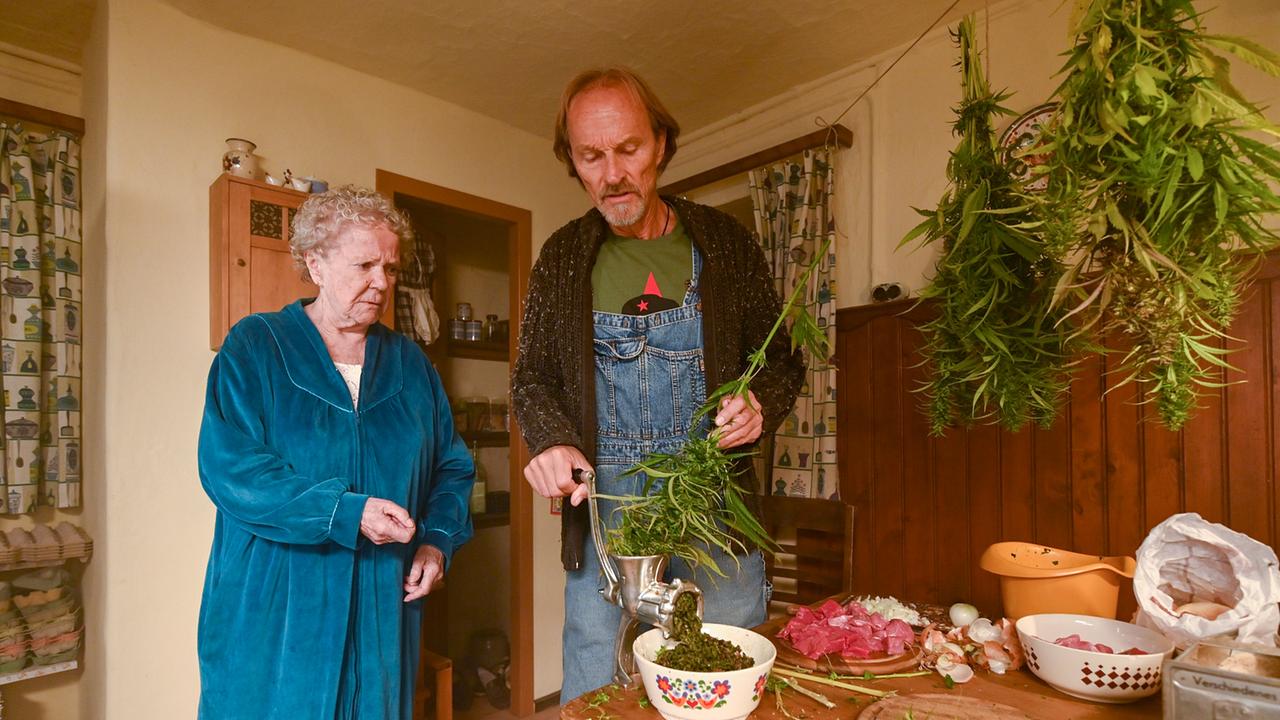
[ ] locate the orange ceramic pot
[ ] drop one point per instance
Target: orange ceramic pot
(1036, 579)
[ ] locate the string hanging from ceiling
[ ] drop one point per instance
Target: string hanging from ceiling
(820, 122)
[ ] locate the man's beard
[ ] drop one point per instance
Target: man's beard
(624, 215)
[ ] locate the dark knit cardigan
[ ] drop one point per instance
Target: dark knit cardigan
(553, 384)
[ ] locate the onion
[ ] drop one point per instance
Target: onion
(962, 614)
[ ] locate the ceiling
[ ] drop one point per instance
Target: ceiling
(509, 59)
(54, 28)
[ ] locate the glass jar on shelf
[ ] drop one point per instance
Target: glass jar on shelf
(477, 409)
(498, 421)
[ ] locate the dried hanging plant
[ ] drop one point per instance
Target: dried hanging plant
(995, 350)
(1158, 190)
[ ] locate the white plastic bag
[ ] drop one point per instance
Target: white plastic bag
(1187, 559)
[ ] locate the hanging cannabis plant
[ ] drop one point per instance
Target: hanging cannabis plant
(691, 500)
(1158, 190)
(995, 349)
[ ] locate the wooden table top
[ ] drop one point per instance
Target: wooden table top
(1019, 689)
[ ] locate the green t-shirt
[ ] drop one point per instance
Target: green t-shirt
(638, 277)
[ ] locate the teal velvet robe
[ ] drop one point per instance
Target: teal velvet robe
(302, 617)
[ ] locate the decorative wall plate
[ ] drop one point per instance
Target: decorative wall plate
(1024, 133)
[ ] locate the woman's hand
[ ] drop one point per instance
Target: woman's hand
(550, 473)
(739, 421)
(386, 522)
(425, 573)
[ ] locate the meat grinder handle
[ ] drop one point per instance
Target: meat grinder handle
(611, 575)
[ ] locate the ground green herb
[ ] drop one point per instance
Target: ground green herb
(685, 620)
(698, 651)
(597, 701)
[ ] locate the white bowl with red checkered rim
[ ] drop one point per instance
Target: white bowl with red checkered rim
(1097, 676)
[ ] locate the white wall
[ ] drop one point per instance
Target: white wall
(902, 131)
(174, 88)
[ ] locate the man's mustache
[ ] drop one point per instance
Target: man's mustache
(620, 188)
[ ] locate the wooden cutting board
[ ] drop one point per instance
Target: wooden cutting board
(909, 660)
(936, 706)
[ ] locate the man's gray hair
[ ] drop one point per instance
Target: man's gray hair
(324, 216)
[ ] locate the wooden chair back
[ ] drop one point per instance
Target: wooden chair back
(815, 555)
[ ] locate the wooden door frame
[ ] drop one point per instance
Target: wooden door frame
(520, 252)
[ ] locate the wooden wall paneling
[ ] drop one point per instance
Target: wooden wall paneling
(1124, 480)
(853, 427)
(1085, 424)
(1095, 482)
(951, 507)
(1274, 380)
(887, 502)
(1053, 508)
(984, 518)
(1162, 475)
(1247, 416)
(919, 543)
(1122, 448)
(1204, 457)
(1017, 485)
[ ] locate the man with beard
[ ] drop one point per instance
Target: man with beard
(634, 310)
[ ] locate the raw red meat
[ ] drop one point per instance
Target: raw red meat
(845, 629)
(1074, 641)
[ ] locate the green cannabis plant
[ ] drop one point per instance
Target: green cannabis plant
(691, 500)
(995, 348)
(1161, 184)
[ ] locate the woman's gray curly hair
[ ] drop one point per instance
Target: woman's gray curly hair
(324, 216)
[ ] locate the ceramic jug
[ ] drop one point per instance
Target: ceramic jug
(239, 158)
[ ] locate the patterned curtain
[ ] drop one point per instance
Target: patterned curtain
(793, 220)
(40, 260)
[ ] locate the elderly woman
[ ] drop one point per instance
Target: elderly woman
(328, 448)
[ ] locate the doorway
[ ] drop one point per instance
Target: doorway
(482, 257)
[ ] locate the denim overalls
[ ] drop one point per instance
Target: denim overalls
(649, 382)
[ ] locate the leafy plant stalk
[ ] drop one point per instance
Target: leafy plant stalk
(995, 349)
(834, 683)
(691, 501)
(1161, 191)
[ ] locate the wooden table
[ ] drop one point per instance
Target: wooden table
(1018, 689)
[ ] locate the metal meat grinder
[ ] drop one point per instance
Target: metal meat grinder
(634, 583)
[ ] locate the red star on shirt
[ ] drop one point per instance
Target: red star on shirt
(643, 306)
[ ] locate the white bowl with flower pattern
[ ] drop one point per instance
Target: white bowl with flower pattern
(684, 695)
(1097, 676)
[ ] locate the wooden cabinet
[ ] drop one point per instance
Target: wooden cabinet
(250, 267)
